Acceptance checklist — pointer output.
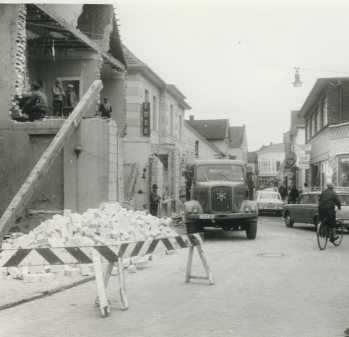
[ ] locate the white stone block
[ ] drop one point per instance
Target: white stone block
(36, 269)
(48, 277)
(155, 257)
(3, 273)
(72, 272)
(39, 229)
(33, 278)
(59, 274)
(67, 212)
(6, 245)
(114, 271)
(55, 268)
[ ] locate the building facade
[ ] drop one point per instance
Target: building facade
(155, 141)
(326, 114)
(238, 143)
(270, 159)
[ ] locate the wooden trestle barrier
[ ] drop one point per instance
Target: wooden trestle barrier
(113, 255)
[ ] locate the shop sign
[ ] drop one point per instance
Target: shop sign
(344, 160)
(301, 147)
(303, 161)
(146, 119)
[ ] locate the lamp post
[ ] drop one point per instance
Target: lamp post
(297, 82)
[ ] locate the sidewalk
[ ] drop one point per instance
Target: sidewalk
(15, 292)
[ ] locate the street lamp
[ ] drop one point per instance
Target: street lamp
(297, 82)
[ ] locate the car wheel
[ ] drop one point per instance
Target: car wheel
(288, 220)
(251, 230)
(192, 227)
(316, 222)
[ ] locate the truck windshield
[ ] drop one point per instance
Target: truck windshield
(223, 172)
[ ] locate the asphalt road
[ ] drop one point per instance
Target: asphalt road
(280, 284)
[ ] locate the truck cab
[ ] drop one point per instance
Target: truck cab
(219, 198)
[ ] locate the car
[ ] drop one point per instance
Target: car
(306, 210)
(274, 189)
(269, 201)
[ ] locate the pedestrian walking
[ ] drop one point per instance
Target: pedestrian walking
(294, 194)
(154, 201)
(306, 188)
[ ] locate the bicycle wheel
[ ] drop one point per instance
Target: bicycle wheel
(322, 235)
(339, 232)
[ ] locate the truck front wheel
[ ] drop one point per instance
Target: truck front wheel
(251, 230)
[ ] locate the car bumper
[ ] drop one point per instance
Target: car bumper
(218, 217)
(270, 209)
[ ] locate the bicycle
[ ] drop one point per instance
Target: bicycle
(324, 233)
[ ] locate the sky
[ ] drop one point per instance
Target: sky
(235, 59)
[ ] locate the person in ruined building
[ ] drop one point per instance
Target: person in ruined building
(70, 99)
(36, 105)
(105, 108)
(154, 201)
(58, 95)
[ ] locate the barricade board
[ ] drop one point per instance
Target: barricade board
(83, 254)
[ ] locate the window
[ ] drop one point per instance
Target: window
(146, 96)
(171, 119)
(155, 113)
(232, 157)
(312, 118)
(324, 112)
(307, 126)
(264, 166)
(180, 128)
(278, 166)
(312, 199)
(304, 199)
(196, 148)
(318, 119)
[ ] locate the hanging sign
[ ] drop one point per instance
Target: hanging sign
(329, 172)
(302, 147)
(146, 119)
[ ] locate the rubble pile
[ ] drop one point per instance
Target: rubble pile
(111, 224)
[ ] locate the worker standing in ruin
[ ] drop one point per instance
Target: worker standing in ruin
(105, 108)
(154, 201)
(70, 99)
(58, 94)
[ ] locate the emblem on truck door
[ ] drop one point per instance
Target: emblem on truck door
(221, 196)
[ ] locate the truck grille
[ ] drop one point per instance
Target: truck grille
(221, 199)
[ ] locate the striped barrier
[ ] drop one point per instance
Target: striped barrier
(112, 254)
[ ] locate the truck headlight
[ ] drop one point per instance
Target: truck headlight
(195, 209)
(247, 209)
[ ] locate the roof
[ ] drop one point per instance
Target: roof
(251, 157)
(186, 124)
(319, 85)
(272, 147)
(236, 136)
(131, 59)
(295, 120)
(211, 128)
(218, 161)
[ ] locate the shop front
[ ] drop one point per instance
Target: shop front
(343, 171)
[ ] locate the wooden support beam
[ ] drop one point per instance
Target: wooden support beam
(21, 199)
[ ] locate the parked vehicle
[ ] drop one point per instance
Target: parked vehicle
(219, 198)
(269, 201)
(306, 210)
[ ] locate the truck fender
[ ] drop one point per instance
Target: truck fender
(251, 203)
(190, 204)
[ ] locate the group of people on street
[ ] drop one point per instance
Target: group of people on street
(34, 104)
(293, 194)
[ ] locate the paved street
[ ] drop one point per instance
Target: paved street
(277, 285)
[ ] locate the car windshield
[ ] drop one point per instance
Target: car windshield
(270, 196)
(344, 199)
(225, 172)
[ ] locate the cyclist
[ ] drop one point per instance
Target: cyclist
(327, 202)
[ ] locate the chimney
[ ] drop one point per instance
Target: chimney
(191, 117)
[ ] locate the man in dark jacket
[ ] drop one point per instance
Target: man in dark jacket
(36, 105)
(327, 202)
(105, 108)
(154, 201)
(294, 194)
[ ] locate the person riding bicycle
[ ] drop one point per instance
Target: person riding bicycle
(327, 202)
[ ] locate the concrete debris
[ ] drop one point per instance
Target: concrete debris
(110, 224)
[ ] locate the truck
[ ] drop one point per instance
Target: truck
(219, 198)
